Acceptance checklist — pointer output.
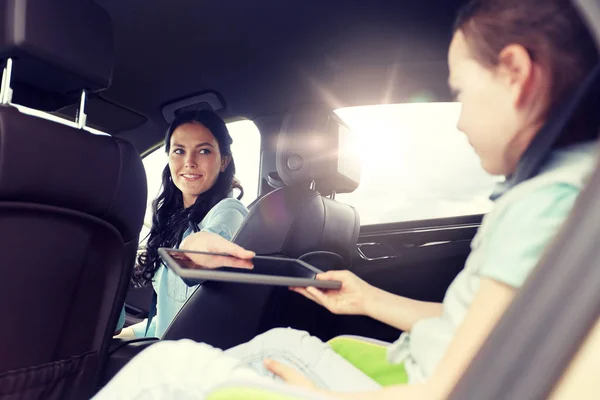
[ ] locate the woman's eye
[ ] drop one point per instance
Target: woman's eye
(178, 151)
(204, 151)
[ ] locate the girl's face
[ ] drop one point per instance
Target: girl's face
(498, 113)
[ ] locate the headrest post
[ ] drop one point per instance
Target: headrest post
(81, 115)
(313, 185)
(332, 195)
(6, 92)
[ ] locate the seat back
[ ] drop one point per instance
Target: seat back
(71, 209)
(314, 149)
(71, 204)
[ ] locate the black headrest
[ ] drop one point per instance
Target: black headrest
(315, 145)
(43, 162)
(58, 47)
(296, 220)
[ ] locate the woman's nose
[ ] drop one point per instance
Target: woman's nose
(190, 162)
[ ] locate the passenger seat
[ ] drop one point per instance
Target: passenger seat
(316, 157)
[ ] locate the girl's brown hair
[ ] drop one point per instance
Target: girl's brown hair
(553, 34)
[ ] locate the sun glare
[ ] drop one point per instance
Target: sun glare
(415, 164)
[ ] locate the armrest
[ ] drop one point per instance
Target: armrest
(120, 352)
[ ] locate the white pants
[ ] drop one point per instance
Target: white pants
(187, 370)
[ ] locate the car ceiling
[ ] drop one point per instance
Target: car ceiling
(265, 57)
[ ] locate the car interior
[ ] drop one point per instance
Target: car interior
(88, 89)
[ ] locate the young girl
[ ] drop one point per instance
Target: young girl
(511, 63)
(196, 196)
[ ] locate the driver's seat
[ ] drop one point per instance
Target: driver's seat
(315, 156)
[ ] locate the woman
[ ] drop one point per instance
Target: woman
(196, 195)
(511, 63)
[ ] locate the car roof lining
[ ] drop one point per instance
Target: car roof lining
(263, 58)
(267, 57)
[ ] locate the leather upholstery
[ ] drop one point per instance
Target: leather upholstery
(71, 209)
(297, 220)
(58, 47)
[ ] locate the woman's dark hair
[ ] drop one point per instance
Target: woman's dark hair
(554, 35)
(170, 219)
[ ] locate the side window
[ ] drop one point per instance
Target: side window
(415, 164)
(246, 154)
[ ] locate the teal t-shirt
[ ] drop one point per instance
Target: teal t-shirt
(509, 244)
(523, 231)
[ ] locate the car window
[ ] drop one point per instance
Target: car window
(415, 164)
(246, 153)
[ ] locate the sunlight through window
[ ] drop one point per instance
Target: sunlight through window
(415, 164)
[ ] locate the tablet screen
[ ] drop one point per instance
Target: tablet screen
(274, 266)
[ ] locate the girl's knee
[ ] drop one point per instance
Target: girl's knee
(175, 349)
(289, 338)
(282, 334)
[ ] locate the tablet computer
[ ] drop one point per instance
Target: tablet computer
(277, 271)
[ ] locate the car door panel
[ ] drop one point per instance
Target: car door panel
(418, 260)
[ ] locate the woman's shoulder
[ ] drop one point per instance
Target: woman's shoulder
(229, 204)
(225, 218)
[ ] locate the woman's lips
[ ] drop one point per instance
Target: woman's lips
(191, 177)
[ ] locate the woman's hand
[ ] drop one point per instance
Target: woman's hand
(350, 299)
(213, 243)
(125, 333)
